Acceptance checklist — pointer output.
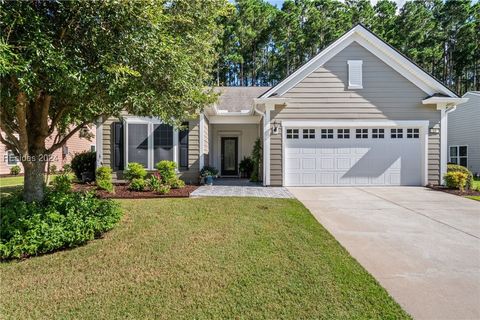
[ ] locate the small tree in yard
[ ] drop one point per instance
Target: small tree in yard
(64, 64)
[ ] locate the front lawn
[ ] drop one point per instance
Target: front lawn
(200, 258)
(11, 181)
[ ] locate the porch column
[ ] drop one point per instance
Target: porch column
(201, 142)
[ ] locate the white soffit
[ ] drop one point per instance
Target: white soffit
(377, 47)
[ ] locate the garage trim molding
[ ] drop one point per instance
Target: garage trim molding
(422, 124)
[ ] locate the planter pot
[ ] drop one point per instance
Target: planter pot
(209, 180)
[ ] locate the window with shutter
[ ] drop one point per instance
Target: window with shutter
(118, 153)
(183, 147)
(355, 79)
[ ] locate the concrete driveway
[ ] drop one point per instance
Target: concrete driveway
(422, 245)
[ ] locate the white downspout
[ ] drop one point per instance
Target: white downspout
(99, 141)
(201, 137)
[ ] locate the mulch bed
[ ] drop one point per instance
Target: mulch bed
(456, 191)
(122, 192)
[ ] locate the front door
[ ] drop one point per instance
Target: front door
(229, 156)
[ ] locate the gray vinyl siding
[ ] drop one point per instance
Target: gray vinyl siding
(190, 175)
(386, 94)
(464, 129)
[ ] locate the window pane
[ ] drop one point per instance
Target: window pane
(162, 143)
(453, 151)
(463, 151)
(454, 160)
(138, 143)
(463, 162)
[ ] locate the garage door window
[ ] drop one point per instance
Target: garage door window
(413, 133)
(361, 133)
(378, 133)
(292, 133)
(308, 133)
(396, 133)
(343, 133)
(459, 155)
(327, 134)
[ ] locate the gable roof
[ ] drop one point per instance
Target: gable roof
(236, 99)
(385, 52)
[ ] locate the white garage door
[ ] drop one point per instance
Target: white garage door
(354, 156)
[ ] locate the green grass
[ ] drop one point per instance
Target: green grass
(476, 183)
(11, 181)
(200, 259)
(474, 197)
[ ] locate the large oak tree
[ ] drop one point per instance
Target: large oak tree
(63, 64)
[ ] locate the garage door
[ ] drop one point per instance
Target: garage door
(353, 156)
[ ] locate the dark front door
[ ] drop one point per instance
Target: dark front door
(229, 156)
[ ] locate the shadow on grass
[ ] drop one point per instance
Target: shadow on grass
(8, 190)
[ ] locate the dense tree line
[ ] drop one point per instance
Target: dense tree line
(262, 44)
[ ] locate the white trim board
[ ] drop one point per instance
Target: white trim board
(376, 46)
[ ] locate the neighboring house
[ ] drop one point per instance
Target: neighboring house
(464, 133)
(60, 157)
(359, 113)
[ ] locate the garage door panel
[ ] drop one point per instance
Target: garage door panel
(352, 161)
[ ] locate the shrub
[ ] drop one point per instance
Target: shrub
(62, 183)
(167, 171)
(63, 220)
(176, 183)
(67, 168)
(458, 168)
(52, 169)
(208, 171)
(154, 182)
(135, 171)
(137, 184)
(15, 170)
(164, 189)
(246, 167)
(84, 162)
(456, 180)
(103, 178)
(256, 159)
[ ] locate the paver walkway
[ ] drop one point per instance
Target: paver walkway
(240, 188)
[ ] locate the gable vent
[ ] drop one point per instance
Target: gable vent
(355, 74)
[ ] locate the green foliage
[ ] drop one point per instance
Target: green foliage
(208, 171)
(257, 160)
(135, 171)
(137, 184)
(164, 189)
(62, 183)
(15, 170)
(167, 171)
(84, 162)
(103, 178)
(176, 183)
(67, 168)
(456, 180)
(246, 167)
(63, 220)
(459, 168)
(154, 182)
(52, 169)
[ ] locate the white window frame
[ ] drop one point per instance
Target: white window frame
(458, 154)
(308, 133)
(293, 134)
(355, 66)
(150, 128)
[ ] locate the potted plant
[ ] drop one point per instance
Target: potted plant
(246, 167)
(207, 174)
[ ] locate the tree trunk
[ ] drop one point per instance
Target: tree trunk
(33, 185)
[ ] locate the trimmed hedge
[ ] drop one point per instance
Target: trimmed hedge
(63, 220)
(458, 168)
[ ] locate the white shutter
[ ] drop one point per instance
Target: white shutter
(355, 74)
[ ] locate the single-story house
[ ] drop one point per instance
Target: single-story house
(357, 114)
(464, 133)
(84, 140)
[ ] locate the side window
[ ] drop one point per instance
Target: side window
(378, 133)
(326, 134)
(396, 133)
(459, 155)
(308, 133)
(292, 133)
(183, 146)
(11, 158)
(361, 133)
(413, 133)
(343, 133)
